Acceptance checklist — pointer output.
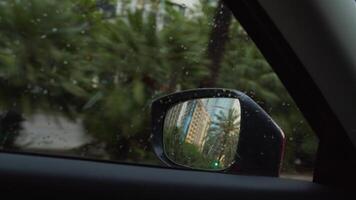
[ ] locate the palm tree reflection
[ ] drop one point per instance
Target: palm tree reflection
(219, 133)
(223, 136)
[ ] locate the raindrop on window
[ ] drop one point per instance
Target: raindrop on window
(297, 161)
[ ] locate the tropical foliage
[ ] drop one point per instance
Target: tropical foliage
(74, 59)
(223, 136)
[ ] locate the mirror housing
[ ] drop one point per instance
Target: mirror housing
(261, 141)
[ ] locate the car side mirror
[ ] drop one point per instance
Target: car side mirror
(216, 129)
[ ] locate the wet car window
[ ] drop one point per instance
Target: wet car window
(77, 76)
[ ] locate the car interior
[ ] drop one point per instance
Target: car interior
(310, 45)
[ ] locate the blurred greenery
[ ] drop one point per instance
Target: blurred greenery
(184, 153)
(77, 58)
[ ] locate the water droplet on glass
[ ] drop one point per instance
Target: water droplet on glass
(297, 161)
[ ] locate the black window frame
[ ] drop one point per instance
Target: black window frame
(304, 91)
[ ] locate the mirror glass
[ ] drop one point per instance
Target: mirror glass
(203, 133)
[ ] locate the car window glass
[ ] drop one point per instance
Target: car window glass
(77, 77)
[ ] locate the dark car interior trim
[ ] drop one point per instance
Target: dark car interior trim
(336, 158)
(58, 177)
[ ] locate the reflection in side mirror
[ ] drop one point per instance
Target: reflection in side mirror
(203, 133)
(216, 129)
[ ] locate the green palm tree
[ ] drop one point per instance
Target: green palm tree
(223, 135)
